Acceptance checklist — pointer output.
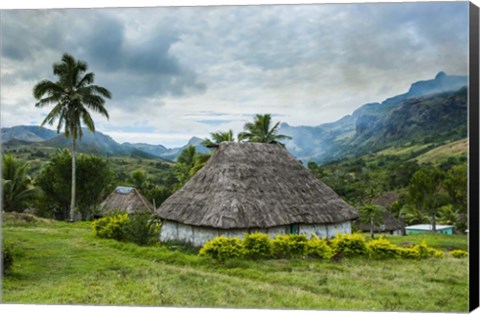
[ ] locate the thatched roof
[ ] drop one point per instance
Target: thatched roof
(245, 185)
(126, 199)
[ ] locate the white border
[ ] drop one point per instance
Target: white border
(47, 4)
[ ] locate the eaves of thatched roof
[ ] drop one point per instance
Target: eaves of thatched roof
(254, 185)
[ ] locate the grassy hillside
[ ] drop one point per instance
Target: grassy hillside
(359, 178)
(433, 153)
(123, 166)
(61, 263)
(442, 153)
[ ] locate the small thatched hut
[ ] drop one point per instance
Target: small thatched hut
(125, 199)
(250, 187)
(389, 223)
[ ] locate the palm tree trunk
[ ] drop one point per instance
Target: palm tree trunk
(371, 228)
(74, 179)
(402, 222)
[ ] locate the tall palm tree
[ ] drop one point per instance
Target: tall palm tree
(218, 137)
(73, 95)
(261, 131)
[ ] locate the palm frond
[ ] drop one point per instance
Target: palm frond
(86, 80)
(243, 136)
(283, 137)
(207, 142)
(47, 87)
(87, 119)
(100, 91)
(272, 131)
(96, 103)
(219, 137)
(48, 100)
(55, 113)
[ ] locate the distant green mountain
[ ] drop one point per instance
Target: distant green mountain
(173, 153)
(155, 150)
(91, 143)
(28, 133)
(168, 153)
(428, 119)
(431, 111)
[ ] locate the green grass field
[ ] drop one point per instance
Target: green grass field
(61, 263)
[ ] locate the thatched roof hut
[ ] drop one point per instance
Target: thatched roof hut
(252, 187)
(389, 222)
(126, 199)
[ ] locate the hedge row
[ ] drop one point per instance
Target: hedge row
(259, 245)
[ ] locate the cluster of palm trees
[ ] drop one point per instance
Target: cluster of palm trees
(260, 131)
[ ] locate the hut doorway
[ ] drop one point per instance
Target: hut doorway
(294, 228)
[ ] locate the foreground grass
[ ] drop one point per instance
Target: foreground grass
(60, 263)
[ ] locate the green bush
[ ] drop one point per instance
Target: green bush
(382, 249)
(222, 248)
(408, 253)
(257, 245)
(289, 245)
(459, 253)
(7, 257)
(142, 229)
(112, 227)
(349, 245)
(425, 252)
(318, 248)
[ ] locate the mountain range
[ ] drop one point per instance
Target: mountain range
(92, 143)
(431, 110)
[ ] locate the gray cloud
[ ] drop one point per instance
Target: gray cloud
(143, 68)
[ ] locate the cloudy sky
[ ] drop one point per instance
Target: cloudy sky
(179, 72)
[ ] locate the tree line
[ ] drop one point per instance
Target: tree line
(427, 193)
